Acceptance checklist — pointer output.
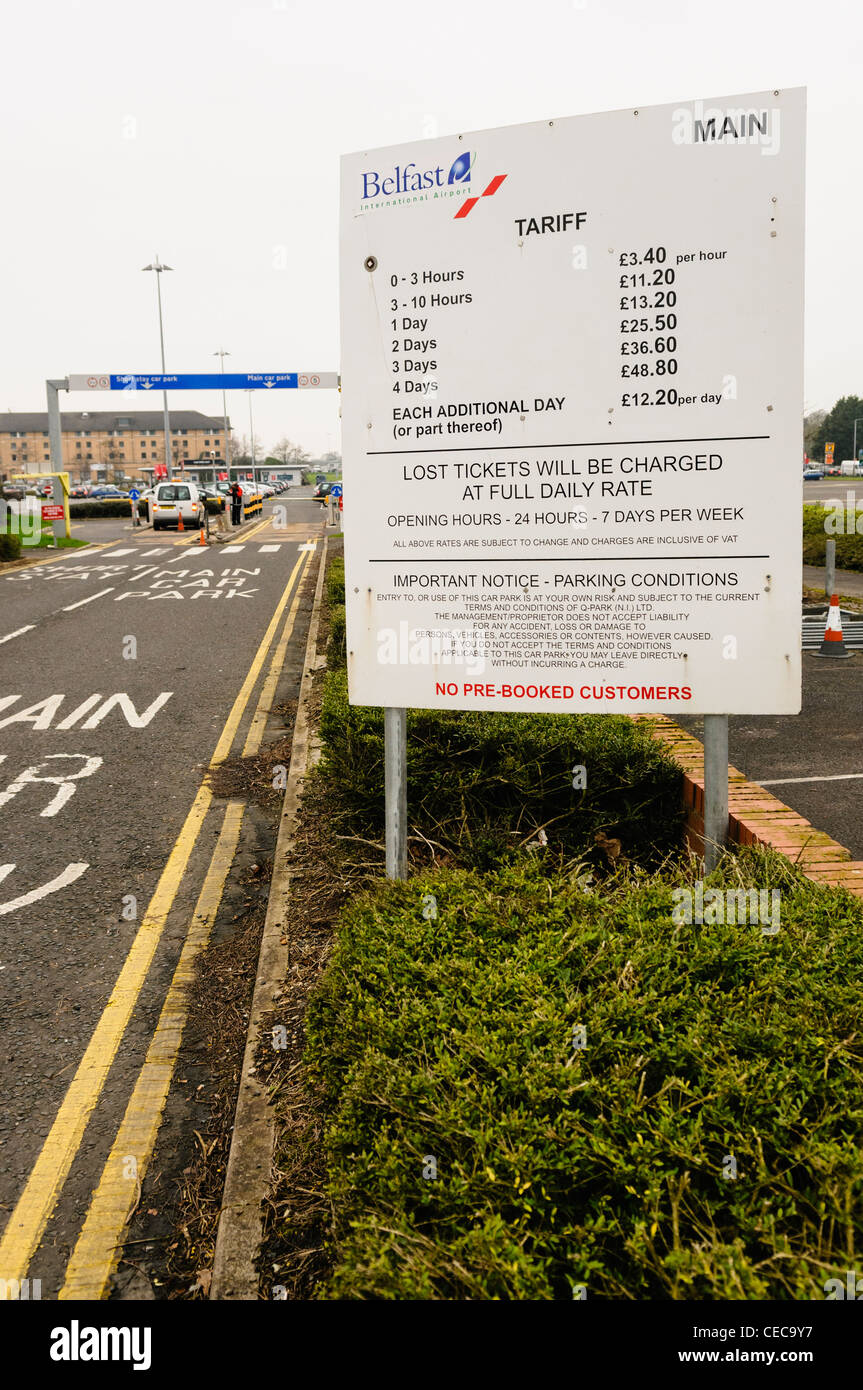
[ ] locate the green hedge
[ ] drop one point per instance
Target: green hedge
(10, 545)
(335, 591)
(335, 581)
(110, 506)
(849, 548)
(450, 1036)
(115, 506)
(480, 783)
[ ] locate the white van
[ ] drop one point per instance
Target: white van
(170, 500)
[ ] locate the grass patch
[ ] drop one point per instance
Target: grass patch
(47, 542)
(448, 1034)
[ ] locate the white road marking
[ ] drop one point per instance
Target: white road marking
(64, 782)
(783, 781)
(82, 601)
(266, 549)
(232, 549)
(17, 633)
(69, 875)
(115, 553)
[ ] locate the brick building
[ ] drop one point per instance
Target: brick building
(106, 444)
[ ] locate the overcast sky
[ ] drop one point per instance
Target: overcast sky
(210, 131)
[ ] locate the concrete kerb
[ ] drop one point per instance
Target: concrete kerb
(755, 816)
(249, 1167)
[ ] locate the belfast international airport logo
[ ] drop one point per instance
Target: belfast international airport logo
(408, 183)
(487, 192)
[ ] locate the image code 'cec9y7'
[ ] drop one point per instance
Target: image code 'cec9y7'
(572, 403)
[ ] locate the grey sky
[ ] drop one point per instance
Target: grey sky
(210, 131)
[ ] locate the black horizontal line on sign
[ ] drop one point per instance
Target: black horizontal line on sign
(586, 444)
(552, 559)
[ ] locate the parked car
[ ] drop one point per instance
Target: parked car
(812, 474)
(12, 492)
(102, 492)
(321, 491)
(172, 500)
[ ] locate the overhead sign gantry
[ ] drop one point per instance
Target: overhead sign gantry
(189, 381)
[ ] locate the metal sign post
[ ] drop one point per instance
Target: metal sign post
(55, 438)
(830, 569)
(396, 792)
(715, 788)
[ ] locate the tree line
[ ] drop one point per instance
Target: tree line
(834, 426)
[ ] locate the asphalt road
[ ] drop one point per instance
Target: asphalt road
(120, 669)
(833, 489)
(812, 761)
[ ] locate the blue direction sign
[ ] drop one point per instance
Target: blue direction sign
(211, 381)
(336, 490)
(207, 381)
(134, 494)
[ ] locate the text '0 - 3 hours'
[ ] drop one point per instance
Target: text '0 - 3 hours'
(648, 340)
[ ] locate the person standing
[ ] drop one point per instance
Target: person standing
(236, 504)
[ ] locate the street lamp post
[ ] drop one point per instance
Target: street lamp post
(223, 354)
(252, 432)
(854, 450)
(158, 267)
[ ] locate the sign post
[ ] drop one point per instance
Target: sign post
(396, 794)
(59, 492)
(574, 466)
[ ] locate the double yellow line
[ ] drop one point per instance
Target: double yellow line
(94, 1256)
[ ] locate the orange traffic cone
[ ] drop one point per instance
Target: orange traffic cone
(201, 540)
(833, 643)
(180, 526)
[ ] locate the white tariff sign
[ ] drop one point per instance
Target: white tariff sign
(572, 403)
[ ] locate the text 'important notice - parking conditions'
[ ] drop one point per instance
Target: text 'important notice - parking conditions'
(572, 402)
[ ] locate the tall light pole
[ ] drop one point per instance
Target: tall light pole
(252, 430)
(158, 268)
(856, 460)
(220, 352)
